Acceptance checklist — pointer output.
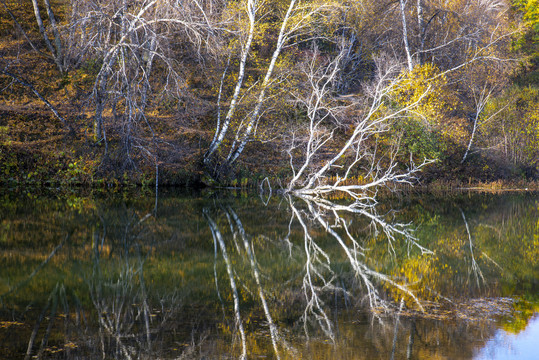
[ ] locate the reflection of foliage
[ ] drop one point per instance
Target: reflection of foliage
(523, 311)
(269, 256)
(502, 245)
(334, 263)
(422, 274)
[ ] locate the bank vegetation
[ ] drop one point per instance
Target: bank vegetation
(314, 96)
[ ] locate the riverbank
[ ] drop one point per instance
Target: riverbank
(50, 113)
(36, 150)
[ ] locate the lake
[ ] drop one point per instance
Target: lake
(237, 275)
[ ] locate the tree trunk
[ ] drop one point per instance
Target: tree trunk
(217, 140)
(421, 31)
(235, 152)
(43, 32)
(101, 95)
(405, 36)
(59, 57)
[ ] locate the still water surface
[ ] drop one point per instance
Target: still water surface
(233, 275)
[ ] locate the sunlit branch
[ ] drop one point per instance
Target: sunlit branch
(376, 119)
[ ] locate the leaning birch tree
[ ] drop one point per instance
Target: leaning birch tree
(358, 152)
(298, 15)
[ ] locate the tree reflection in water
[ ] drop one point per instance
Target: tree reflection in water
(122, 323)
(320, 278)
(290, 278)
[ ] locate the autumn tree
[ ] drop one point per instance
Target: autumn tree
(129, 41)
(290, 20)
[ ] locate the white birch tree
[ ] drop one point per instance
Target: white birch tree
(355, 153)
(295, 20)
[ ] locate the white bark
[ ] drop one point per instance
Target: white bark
(59, 57)
(318, 112)
(421, 31)
(220, 133)
(481, 101)
(405, 36)
(373, 121)
(54, 52)
(128, 39)
(253, 119)
(244, 132)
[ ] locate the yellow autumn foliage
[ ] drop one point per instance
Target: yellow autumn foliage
(428, 88)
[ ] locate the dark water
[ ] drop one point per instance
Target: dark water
(233, 275)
